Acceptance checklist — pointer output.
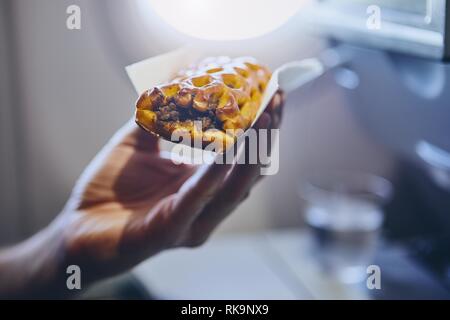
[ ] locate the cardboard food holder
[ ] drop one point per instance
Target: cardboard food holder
(161, 69)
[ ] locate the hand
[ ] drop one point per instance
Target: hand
(133, 202)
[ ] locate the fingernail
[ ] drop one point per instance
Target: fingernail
(276, 101)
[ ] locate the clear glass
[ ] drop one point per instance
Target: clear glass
(344, 212)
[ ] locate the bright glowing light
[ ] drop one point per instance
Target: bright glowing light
(225, 19)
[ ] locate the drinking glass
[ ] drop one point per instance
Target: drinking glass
(344, 211)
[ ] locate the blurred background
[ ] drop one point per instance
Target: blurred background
(379, 116)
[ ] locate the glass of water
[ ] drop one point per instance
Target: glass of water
(344, 211)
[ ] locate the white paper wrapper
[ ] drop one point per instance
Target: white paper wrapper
(160, 69)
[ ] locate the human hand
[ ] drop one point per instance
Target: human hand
(132, 202)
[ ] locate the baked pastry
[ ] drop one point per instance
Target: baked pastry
(214, 100)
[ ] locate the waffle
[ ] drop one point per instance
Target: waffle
(213, 100)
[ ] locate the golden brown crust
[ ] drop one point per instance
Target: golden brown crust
(209, 100)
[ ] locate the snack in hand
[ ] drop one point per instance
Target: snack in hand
(213, 101)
